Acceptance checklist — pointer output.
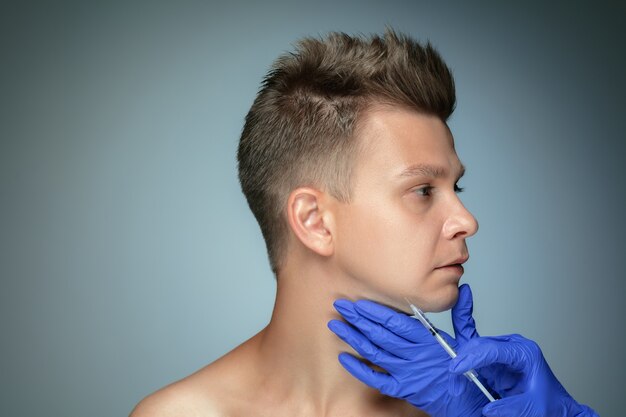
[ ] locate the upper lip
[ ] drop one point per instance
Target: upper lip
(457, 261)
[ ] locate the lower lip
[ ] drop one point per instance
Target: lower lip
(457, 268)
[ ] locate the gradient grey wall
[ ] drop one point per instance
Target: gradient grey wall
(128, 256)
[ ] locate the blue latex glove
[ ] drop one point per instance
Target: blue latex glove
(417, 367)
(516, 368)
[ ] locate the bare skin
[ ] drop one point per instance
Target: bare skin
(387, 243)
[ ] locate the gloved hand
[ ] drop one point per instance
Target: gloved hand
(511, 365)
(516, 368)
(417, 366)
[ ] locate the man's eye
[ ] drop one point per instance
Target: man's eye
(424, 191)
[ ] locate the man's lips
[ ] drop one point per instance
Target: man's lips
(458, 262)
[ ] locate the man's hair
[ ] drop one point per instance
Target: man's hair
(301, 128)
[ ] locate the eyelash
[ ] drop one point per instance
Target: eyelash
(457, 189)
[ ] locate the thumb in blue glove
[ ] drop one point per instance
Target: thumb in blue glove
(462, 319)
(464, 330)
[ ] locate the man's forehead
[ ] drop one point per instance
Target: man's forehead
(406, 144)
(421, 169)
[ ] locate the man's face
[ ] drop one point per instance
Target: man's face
(404, 221)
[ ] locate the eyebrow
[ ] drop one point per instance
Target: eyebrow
(425, 170)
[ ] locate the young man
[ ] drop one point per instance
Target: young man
(350, 169)
(347, 163)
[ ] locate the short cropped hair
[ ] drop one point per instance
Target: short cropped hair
(300, 130)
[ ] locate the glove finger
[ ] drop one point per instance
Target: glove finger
(376, 333)
(385, 383)
(363, 346)
(457, 384)
(508, 381)
(398, 323)
(515, 406)
(498, 375)
(485, 351)
(462, 319)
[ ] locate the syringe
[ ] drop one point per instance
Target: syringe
(471, 374)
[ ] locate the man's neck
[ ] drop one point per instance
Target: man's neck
(300, 353)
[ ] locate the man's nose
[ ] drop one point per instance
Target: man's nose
(460, 223)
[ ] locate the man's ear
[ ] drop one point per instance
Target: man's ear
(311, 220)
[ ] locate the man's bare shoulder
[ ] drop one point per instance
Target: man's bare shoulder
(213, 391)
(176, 400)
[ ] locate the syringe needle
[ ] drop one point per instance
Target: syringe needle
(471, 374)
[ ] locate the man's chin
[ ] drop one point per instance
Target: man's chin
(451, 301)
(440, 302)
(436, 301)
(441, 308)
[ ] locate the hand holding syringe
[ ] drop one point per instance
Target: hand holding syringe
(410, 365)
(471, 374)
(417, 370)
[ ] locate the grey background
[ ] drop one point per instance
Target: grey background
(128, 256)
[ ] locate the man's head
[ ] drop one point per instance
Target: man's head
(303, 128)
(405, 223)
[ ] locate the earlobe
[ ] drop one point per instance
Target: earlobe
(309, 220)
